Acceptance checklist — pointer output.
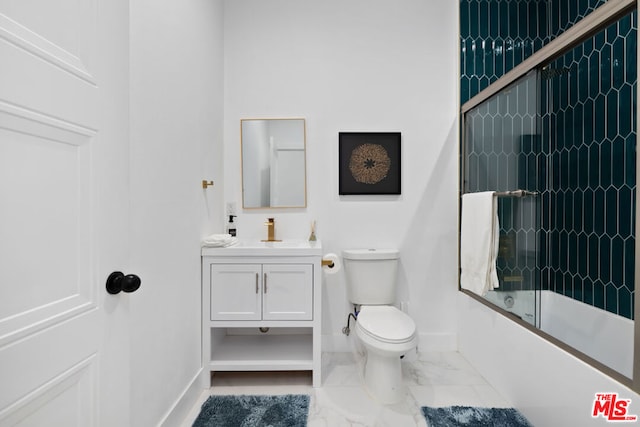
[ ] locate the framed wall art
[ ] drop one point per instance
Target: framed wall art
(369, 163)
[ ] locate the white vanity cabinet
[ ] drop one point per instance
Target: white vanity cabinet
(261, 291)
(261, 308)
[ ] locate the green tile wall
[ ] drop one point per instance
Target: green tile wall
(495, 36)
(581, 156)
(589, 120)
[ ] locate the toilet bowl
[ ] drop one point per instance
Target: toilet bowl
(387, 334)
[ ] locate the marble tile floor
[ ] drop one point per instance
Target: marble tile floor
(432, 379)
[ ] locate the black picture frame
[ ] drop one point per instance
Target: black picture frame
(369, 163)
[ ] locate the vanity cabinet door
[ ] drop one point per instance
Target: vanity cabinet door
(287, 292)
(236, 291)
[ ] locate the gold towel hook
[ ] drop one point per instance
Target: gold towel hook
(206, 184)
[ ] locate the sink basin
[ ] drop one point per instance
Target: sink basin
(248, 247)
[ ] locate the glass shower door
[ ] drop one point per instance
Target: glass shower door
(504, 152)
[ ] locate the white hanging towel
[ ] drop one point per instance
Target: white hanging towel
(479, 241)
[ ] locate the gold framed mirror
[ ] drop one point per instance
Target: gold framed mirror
(273, 153)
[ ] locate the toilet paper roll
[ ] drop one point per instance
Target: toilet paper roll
(335, 259)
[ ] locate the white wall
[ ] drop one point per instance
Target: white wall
(550, 386)
(176, 141)
(360, 65)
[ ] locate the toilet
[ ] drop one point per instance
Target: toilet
(386, 333)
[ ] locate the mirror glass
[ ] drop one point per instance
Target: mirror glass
(273, 163)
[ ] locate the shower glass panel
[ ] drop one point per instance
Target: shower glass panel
(588, 117)
(567, 132)
(503, 152)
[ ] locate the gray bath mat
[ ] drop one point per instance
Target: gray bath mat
(290, 410)
(462, 416)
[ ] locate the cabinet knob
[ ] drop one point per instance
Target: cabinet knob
(117, 282)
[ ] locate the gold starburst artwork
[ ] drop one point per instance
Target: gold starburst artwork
(369, 163)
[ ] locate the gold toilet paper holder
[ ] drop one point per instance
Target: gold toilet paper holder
(328, 263)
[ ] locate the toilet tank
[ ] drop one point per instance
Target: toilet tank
(371, 275)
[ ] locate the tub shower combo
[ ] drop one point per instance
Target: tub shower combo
(552, 129)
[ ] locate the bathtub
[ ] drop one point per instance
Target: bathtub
(604, 336)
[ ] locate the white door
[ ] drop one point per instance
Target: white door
(64, 357)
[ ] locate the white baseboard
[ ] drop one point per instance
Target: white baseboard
(183, 405)
(428, 342)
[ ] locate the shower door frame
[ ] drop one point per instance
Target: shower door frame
(596, 21)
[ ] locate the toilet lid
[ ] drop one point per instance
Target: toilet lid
(386, 323)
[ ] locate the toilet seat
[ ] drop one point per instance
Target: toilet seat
(386, 323)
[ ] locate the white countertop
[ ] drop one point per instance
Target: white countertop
(249, 247)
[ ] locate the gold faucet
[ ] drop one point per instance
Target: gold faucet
(271, 230)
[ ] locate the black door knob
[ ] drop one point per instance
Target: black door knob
(117, 282)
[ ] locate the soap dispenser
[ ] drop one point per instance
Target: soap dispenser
(231, 226)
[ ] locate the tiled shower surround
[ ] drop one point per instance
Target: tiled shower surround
(497, 35)
(568, 133)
